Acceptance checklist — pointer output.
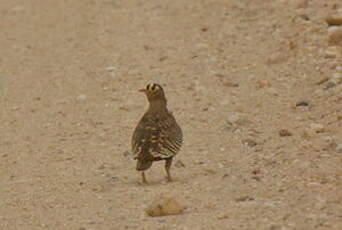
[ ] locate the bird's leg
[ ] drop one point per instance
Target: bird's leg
(143, 177)
(167, 168)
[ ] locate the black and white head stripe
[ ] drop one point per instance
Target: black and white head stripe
(153, 87)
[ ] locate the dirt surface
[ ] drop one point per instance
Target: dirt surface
(233, 72)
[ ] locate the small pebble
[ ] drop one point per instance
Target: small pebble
(329, 85)
(225, 175)
(339, 116)
(335, 38)
(256, 171)
(317, 128)
(223, 216)
(322, 80)
(235, 118)
(332, 52)
(302, 103)
(97, 188)
(210, 171)
(110, 68)
(339, 148)
(284, 133)
(244, 198)
(124, 108)
(334, 20)
(261, 84)
(230, 84)
(336, 78)
(249, 142)
(277, 227)
(332, 29)
(272, 91)
(81, 97)
(204, 28)
(304, 16)
(163, 58)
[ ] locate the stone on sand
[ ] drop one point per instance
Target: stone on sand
(164, 206)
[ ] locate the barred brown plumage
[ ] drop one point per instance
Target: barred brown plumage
(157, 135)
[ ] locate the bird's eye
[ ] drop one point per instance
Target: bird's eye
(152, 87)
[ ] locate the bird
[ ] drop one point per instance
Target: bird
(157, 136)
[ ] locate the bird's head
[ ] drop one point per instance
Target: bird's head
(154, 92)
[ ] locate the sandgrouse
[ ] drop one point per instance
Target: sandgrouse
(157, 135)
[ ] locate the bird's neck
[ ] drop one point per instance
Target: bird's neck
(158, 106)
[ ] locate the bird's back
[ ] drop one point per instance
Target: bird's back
(156, 137)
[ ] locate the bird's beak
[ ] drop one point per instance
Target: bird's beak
(142, 90)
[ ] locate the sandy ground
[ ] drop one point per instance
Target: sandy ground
(233, 72)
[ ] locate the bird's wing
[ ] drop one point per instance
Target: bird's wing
(159, 136)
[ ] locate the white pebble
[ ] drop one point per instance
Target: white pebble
(317, 128)
(337, 78)
(331, 52)
(339, 148)
(235, 118)
(110, 68)
(81, 97)
(332, 29)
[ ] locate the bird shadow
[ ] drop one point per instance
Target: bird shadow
(157, 182)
